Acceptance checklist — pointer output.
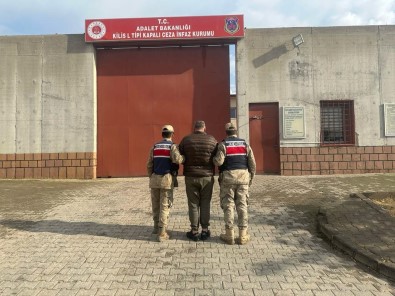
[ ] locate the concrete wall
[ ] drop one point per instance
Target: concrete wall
(47, 105)
(334, 63)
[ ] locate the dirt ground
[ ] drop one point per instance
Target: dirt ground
(384, 199)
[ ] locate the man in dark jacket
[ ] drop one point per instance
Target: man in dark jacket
(199, 148)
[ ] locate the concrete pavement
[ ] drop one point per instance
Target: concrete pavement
(62, 237)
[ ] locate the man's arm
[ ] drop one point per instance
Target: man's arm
(215, 144)
(175, 155)
(251, 164)
(219, 157)
(181, 147)
(251, 161)
(150, 162)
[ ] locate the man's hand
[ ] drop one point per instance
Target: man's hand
(220, 179)
(251, 177)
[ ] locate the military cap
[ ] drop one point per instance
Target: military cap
(167, 128)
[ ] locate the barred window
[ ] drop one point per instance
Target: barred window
(337, 123)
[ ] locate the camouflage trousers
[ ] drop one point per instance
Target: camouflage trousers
(161, 202)
(234, 196)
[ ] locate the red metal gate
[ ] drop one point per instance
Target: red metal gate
(264, 137)
(139, 90)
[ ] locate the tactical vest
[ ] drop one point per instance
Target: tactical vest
(161, 155)
(235, 154)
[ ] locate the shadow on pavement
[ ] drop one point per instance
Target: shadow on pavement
(130, 232)
(127, 232)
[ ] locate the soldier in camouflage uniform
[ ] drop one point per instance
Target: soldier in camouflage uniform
(163, 159)
(237, 169)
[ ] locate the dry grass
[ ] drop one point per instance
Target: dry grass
(384, 199)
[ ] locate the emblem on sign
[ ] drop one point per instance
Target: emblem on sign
(96, 30)
(232, 25)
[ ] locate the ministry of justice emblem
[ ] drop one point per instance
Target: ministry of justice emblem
(96, 30)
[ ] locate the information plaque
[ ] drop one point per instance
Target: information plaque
(389, 120)
(293, 123)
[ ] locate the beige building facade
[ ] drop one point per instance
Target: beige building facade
(334, 92)
(324, 106)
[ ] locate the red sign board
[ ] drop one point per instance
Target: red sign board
(164, 28)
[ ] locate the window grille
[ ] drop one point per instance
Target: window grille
(337, 123)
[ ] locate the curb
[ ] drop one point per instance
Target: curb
(341, 242)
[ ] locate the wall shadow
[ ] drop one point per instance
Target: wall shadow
(274, 53)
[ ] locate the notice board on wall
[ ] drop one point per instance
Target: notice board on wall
(389, 120)
(294, 123)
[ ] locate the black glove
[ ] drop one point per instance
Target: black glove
(175, 181)
(174, 173)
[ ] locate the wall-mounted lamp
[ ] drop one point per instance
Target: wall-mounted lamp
(297, 40)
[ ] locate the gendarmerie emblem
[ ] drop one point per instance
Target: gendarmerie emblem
(232, 25)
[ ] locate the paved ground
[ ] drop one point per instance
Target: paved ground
(363, 229)
(93, 238)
